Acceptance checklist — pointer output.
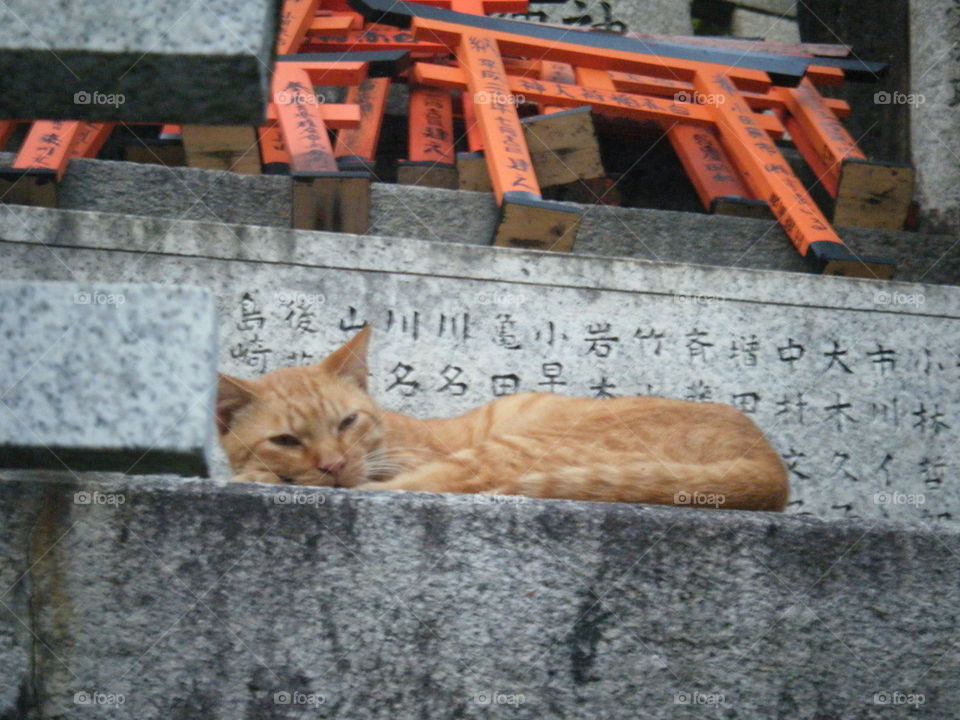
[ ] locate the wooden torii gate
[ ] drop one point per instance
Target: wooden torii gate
(526, 219)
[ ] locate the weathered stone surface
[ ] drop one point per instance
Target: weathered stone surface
(442, 215)
(170, 61)
(106, 376)
(209, 602)
(935, 121)
(669, 17)
(876, 31)
(854, 381)
(786, 8)
(752, 24)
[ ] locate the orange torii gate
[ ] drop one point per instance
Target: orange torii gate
(742, 134)
(324, 195)
(43, 157)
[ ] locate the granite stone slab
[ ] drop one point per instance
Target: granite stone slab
(934, 103)
(456, 216)
(99, 375)
(778, 28)
(161, 61)
(854, 381)
(205, 601)
(668, 17)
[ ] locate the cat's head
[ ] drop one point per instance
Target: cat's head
(313, 425)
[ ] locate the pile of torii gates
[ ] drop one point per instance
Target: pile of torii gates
(721, 109)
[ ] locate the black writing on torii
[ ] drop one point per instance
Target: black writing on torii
(791, 352)
(452, 384)
(697, 345)
(552, 372)
(836, 358)
(401, 373)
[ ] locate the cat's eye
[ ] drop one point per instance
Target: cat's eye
(347, 421)
(285, 440)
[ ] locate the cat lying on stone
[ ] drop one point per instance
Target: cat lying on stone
(317, 425)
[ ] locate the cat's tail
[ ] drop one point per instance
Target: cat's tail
(743, 484)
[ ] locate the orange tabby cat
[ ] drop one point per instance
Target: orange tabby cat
(317, 425)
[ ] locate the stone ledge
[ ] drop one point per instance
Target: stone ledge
(107, 376)
(583, 610)
(470, 217)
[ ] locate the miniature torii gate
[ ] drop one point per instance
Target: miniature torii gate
(478, 44)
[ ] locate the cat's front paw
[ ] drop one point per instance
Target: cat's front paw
(257, 476)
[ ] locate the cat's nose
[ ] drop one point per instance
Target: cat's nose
(332, 468)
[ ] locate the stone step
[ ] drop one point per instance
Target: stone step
(172, 62)
(158, 598)
(458, 216)
(854, 381)
(107, 376)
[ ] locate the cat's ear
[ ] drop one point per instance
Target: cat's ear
(350, 361)
(233, 394)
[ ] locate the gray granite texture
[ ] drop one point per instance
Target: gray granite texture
(876, 30)
(669, 17)
(97, 375)
(466, 217)
(854, 381)
(784, 8)
(751, 24)
(162, 61)
(204, 601)
(935, 109)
